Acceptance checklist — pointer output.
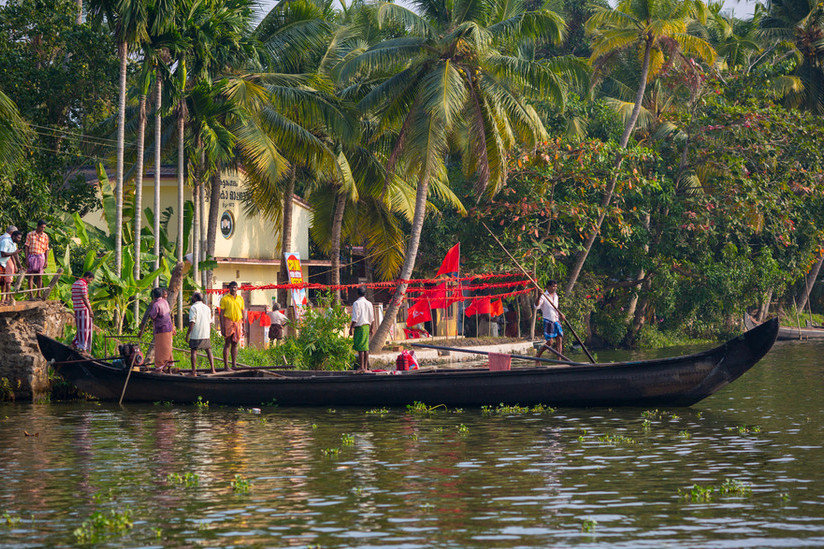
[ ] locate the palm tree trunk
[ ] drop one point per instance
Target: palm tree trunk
(79, 19)
(408, 264)
(214, 213)
(181, 152)
(158, 132)
(334, 253)
(636, 111)
(138, 197)
(122, 53)
(809, 283)
(197, 216)
(286, 231)
(201, 199)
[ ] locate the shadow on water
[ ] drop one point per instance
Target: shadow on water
(504, 477)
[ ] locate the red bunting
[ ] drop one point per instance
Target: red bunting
(419, 312)
(452, 261)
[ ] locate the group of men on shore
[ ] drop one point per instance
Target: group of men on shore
(35, 247)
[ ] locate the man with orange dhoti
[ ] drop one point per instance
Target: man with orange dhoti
(231, 323)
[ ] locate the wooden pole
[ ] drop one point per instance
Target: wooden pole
(128, 375)
(523, 357)
(797, 318)
(52, 284)
(571, 329)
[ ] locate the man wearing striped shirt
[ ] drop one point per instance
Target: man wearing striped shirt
(82, 313)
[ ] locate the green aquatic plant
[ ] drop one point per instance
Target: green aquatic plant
(102, 525)
(646, 425)
(330, 452)
(187, 479)
(616, 439)
(730, 487)
(419, 408)
(240, 485)
(588, 525)
(377, 412)
(347, 440)
(463, 429)
(684, 434)
(10, 520)
(582, 436)
(201, 404)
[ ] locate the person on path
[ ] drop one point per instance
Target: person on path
(199, 333)
(8, 263)
(548, 305)
(232, 311)
(363, 317)
(37, 248)
(278, 322)
(83, 318)
(160, 313)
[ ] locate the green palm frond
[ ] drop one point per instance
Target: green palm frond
(417, 25)
(540, 26)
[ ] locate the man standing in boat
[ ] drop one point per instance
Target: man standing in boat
(548, 305)
(82, 313)
(231, 323)
(199, 333)
(363, 317)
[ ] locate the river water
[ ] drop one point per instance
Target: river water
(743, 468)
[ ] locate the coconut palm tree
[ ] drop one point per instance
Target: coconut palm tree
(14, 133)
(128, 19)
(800, 23)
(456, 72)
(654, 30)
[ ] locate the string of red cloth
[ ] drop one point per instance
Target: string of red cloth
(376, 285)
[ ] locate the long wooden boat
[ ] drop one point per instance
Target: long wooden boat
(677, 381)
(790, 333)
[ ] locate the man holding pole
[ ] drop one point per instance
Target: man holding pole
(548, 304)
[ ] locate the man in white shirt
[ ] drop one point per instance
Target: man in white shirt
(200, 331)
(548, 305)
(363, 316)
(278, 321)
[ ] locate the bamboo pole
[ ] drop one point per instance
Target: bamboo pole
(571, 329)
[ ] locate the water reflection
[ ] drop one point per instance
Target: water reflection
(345, 478)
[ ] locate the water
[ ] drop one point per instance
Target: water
(347, 478)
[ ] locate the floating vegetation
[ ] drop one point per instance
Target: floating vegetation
(646, 425)
(588, 525)
(246, 410)
(783, 496)
(684, 434)
(582, 436)
(165, 403)
(314, 426)
(347, 440)
(331, 452)
(377, 412)
(414, 436)
(743, 429)
(463, 429)
(516, 409)
(331, 411)
(202, 403)
(730, 487)
(240, 485)
(456, 411)
(100, 525)
(616, 439)
(10, 520)
(422, 409)
(188, 480)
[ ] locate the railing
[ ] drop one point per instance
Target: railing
(47, 290)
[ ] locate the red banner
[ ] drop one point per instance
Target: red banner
(452, 261)
(481, 305)
(419, 312)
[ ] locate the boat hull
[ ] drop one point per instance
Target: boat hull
(678, 381)
(788, 333)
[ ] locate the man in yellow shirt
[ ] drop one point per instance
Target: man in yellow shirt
(232, 310)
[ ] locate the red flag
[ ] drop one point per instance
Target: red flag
(419, 312)
(497, 308)
(437, 297)
(452, 261)
(479, 307)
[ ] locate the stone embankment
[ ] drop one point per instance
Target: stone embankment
(24, 373)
